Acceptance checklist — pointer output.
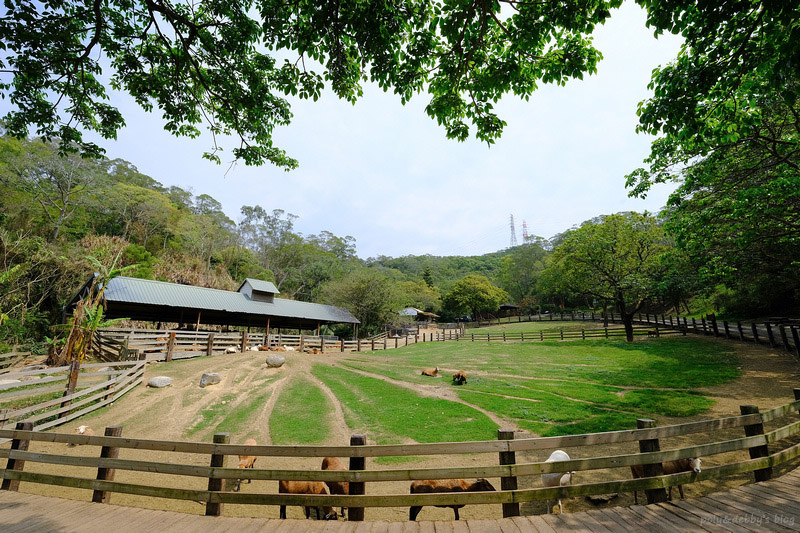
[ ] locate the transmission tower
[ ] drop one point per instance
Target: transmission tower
(513, 232)
(524, 231)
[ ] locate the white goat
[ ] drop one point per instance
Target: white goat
(557, 479)
(231, 350)
(82, 430)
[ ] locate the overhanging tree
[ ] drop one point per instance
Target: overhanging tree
(613, 258)
(224, 64)
(474, 294)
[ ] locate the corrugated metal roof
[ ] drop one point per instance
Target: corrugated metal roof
(158, 293)
(260, 285)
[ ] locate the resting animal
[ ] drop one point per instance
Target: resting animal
(432, 372)
(82, 430)
(306, 487)
(446, 485)
(460, 377)
(231, 350)
(336, 487)
(557, 479)
(245, 461)
(289, 348)
(670, 467)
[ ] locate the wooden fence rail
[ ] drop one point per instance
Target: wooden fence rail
(784, 450)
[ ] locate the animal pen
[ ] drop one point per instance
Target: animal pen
(752, 442)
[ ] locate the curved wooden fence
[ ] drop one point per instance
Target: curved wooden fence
(724, 455)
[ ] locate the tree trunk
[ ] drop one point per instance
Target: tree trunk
(627, 320)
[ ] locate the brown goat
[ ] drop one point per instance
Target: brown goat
(446, 485)
(432, 372)
(670, 467)
(460, 377)
(246, 461)
(307, 487)
(336, 487)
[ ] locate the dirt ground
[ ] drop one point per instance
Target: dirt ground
(767, 380)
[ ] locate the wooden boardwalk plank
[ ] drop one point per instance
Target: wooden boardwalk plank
(532, 523)
(705, 517)
(743, 509)
(651, 520)
(720, 511)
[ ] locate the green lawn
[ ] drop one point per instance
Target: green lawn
(550, 388)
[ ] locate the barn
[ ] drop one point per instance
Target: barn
(253, 304)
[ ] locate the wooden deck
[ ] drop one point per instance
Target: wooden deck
(770, 506)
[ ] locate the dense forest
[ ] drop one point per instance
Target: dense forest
(58, 212)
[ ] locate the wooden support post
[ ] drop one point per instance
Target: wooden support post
(685, 324)
(170, 345)
(784, 338)
(216, 484)
(703, 322)
(301, 343)
(341, 345)
(714, 326)
(103, 473)
(651, 470)
(796, 338)
(671, 325)
(755, 333)
(727, 329)
(510, 482)
(16, 464)
(541, 335)
(197, 326)
(741, 332)
(356, 514)
(210, 344)
(504, 336)
(694, 325)
(770, 335)
(358, 345)
(372, 345)
(756, 451)
(583, 334)
(562, 334)
(396, 340)
(244, 341)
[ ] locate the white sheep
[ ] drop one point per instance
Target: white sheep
(289, 348)
(82, 430)
(557, 479)
(231, 350)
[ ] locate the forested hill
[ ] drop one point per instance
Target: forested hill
(57, 211)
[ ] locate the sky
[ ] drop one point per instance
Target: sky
(387, 175)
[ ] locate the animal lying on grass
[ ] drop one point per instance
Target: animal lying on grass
(670, 467)
(428, 486)
(460, 377)
(557, 479)
(306, 487)
(336, 487)
(245, 461)
(82, 430)
(432, 372)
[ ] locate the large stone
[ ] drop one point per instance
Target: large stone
(275, 361)
(211, 378)
(159, 382)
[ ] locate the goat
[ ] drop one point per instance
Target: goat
(231, 350)
(289, 348)
(264, 348)
(245, 461)
(445, 485)
(306, 487)
(557, 479)
(336, 487)
(432, 372)
(460, 377)
(691, 464)
(82, 430)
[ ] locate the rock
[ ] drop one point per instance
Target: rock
(275, 361)
(211, 378)
(159, 382)
(602, 498)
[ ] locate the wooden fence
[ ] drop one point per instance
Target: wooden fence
(7, 360)
(36, 395)
(724, 455)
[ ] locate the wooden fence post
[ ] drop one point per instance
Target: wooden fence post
(358, 345)
(703, 322)
(301, 344)
(103, 473)
(770, 335)
(510, 482)
(796, 338)
(356, 514)
(714, 326)
(655, 469)
(694, 326)
(784, 338)
(16, 464)
(755, 333)
(741, 332)
(244, 342)
(210, 344)
(756, 451)
(373, 345)
(170, 345)
(727, 329)
(217, 484)
(341, 345)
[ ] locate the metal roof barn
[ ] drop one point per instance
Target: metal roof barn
(253, 305)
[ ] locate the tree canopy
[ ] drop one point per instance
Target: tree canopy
(230, 65)
(475, 294)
